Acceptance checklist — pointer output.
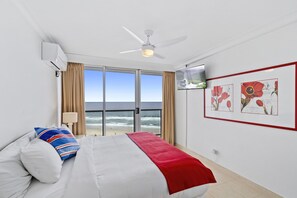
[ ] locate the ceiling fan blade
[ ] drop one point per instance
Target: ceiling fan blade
(171, 42)
(159, 56)
(134, 35)
(129, 51)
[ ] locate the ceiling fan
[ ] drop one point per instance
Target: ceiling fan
(147, 49)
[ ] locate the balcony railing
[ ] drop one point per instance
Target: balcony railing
(122, 121)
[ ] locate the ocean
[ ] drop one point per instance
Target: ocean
(120, 117)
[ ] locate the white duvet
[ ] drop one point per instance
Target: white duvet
(114, 167)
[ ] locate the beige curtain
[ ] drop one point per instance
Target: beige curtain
(73, 95)
(168, 111)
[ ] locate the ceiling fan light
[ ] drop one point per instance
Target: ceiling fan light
(147, 52)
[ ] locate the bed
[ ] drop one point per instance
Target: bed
(111, 167)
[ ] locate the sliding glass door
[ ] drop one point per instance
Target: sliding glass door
(151, 102)
(121, 101)
(94, 101)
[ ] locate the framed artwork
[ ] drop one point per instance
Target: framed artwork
(263, 97)
(222, 98)
(260, 97)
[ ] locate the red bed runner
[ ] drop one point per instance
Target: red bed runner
(180, 170)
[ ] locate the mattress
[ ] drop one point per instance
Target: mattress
(115, 168)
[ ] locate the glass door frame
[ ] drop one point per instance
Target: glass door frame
(119, 70)
(137, 109)
(153, 73)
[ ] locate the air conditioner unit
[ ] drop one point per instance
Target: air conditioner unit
(54, 56)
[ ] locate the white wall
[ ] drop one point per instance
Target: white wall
(264, 155)
(28, 92)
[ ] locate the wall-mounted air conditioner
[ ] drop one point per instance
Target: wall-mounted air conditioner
(54, 56)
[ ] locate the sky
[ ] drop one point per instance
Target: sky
(120, 87)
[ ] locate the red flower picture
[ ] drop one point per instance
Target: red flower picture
(252, 89)
(260, 97)
(221, 97)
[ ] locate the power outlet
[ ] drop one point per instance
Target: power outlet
(215, 151)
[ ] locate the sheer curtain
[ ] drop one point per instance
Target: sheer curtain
(73, 95)
(168, 107)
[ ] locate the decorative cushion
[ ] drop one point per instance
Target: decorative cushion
(42, 161)
(14, 179)
(61, 139)
(64, 126)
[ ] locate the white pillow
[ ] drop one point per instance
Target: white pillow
(14, 179)
(42, 161)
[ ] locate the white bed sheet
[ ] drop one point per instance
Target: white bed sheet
(114, 167)
(56, 190)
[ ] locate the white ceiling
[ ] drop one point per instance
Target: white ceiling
(94, 27)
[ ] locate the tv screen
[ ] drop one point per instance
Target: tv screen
(191, 78)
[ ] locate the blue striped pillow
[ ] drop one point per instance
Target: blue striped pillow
(61, 139)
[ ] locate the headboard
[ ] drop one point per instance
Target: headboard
(30, 135)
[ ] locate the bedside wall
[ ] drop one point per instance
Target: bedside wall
(267, 156)
(28, 87)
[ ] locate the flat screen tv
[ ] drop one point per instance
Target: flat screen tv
(191, 78)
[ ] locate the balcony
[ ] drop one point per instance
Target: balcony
(122, 121)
